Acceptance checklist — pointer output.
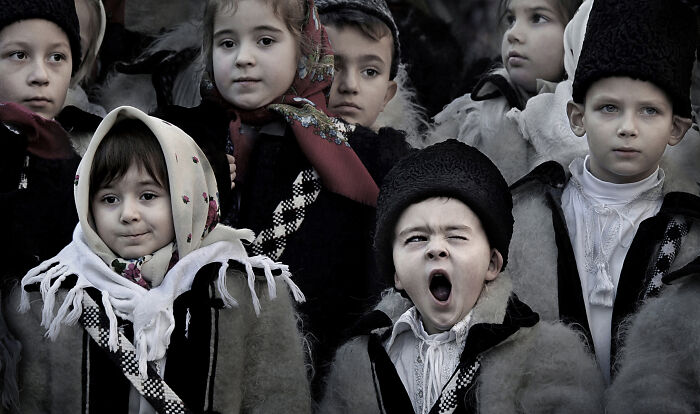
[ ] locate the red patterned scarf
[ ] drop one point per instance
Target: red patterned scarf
(322, 139)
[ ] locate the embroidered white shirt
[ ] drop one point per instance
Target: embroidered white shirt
(602, 219)
(425, 362)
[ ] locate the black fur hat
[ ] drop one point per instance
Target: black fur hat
(649, 40)
(376, 8)
(447, 169)
(61, 12)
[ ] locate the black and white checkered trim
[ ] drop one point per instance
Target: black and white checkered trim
(288, 215)
(677, 228)
(456, 388)
(152, 388)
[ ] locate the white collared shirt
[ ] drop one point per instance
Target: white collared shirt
(425, 362)
(602, 219)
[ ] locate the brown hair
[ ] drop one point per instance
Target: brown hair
(129, 142)
(566, 9)
(292, 12)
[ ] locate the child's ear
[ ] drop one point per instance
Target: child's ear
(495, 265)
(397, 282)
(390, 92)
(679, 127)
(575, 113)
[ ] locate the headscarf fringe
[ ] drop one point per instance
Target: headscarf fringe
(268, 264)
(63, 316)
(141, 351)
(113, 341)
(229, 301)
(49, 296)
(265, 262)
(31, 275)
(251, 287)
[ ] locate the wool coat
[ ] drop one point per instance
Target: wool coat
(225, 360)
(330, 253)
(660, 363)
(542, 257)
(525, 366)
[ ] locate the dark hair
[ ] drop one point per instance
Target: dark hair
(566, 9)
(369, 25)
(129, 142)
(291, 12)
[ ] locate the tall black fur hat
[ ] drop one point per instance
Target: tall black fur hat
(649, 40)
(61, 12)
(447, 169)
(376, 8)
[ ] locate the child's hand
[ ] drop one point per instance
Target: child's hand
(232, 168)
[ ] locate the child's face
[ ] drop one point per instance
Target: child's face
(361, 86)
(628, 123)
(254, 55)
(35, 66)
(533, 43)
(442, 259)
(133, 215)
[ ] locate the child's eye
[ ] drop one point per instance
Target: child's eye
(608, 108)
(18, 55)
(458, 237)
(57, 57)
(370, 73)
(649, 111)
(109, 199)
(508, 20)
(539, 18)
(416, 239)
(266, 41)
(149, 196)
(227, 44)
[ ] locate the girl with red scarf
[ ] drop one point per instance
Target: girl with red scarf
(305, 182)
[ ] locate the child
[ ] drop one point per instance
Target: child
(464, 342)
(532, 53)
(161, 290)
(370, 85)
(609, 232)
(366, 50)
(300, 186)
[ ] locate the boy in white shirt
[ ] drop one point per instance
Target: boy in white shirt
(463, 342)
(627, 219)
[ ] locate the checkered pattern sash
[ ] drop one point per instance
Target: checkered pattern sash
(95, 321)
(456, 388)
(288, 215)
(677, 228)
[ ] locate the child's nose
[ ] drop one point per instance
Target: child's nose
(347, 82)
(38, 75)
(245, 56)
(628, 126)
(129, 211)
(436, 250)
(515, 33)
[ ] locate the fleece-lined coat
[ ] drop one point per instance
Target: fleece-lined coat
(660, 364)
(516, 136)
(542, 257)
(224, 360)
(330, 253)
(526, 366)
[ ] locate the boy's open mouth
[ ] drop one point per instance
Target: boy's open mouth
(440, 286)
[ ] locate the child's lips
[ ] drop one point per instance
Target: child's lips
(515, 58)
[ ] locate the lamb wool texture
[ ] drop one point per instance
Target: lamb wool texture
(661, 357)
(654, 42)
(259, 364)
(543, 368)
(545, 274)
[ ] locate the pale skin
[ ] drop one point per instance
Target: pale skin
(442, 238)
(361, 85)
(35, 66)
(628, 124)
(533, 43)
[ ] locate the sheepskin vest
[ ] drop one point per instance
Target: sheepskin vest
(510, 363)
(542, 257)
(219, 359)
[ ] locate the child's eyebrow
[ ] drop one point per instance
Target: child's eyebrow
(261, 28)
